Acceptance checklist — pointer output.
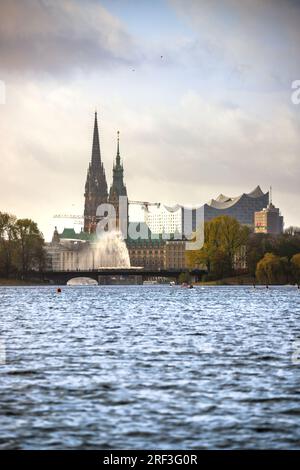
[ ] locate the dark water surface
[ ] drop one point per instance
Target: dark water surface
(149, 367)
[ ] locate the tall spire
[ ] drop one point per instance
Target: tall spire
(96, 155)
(118, 187)
(118, 158)
(96, 185)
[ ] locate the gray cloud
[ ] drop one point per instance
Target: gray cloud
(182, 144)
(215, 144)
(186, 152)
(61, 36)
(258, 39)
(202, 148)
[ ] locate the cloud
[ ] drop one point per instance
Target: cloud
(193, 150)
(257, 40)
(183, 139)
(61, 37)
(202, 142)
(184, 152)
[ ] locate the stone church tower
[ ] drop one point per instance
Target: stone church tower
(117, 189)
(96, 185)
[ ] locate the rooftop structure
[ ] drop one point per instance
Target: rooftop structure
(242, 208)
(269, 220)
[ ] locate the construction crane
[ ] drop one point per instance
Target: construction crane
(78, 218)
(145, 204)
(70, 216)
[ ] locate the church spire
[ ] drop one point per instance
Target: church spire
(55, 237)
(96, 185)
(118, 158)
(118, 187)
(96, 154)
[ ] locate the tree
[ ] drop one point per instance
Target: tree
(7, 243)
(292, 231)
(272, 269)
(223, 237)
(30, 252)
(184, 278)
(295, 263)
(286, 245)
(221, 264)
(258, 244)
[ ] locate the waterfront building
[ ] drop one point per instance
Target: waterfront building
(145, 251)
(175, 254)
(242, 208)
(269, 220)
(240, 259)
(164, 219)
(63, 252)
(154, 251)
(182, 221)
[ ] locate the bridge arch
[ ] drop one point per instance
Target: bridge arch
(82, 281)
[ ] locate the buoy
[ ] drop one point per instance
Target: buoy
(58, 290)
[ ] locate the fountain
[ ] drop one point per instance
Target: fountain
(109, 251)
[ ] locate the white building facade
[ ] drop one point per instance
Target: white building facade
(165, 220)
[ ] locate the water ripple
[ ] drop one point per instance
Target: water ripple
(149, 367)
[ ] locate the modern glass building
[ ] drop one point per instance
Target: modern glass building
(242, 207)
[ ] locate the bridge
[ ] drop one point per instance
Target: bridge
(103, 275)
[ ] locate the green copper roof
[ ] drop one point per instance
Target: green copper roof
(69, 233)
(142, 228)
(118, 187)
(151, 239)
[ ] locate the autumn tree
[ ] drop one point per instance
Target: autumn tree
(258, 244)
(223, 237)
(7, 243)
(30, 242)
(272, 269)
(295, 263)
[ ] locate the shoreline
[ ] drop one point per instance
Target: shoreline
(238, 281)
(20, 282)
(218, 283)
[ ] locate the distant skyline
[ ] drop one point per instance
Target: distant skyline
(199, 90)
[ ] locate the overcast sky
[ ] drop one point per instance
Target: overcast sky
(199, 89)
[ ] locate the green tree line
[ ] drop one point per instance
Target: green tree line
(268, 258)
(21, 246)
(274, 269)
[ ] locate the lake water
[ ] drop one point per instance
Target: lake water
(143, 367)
